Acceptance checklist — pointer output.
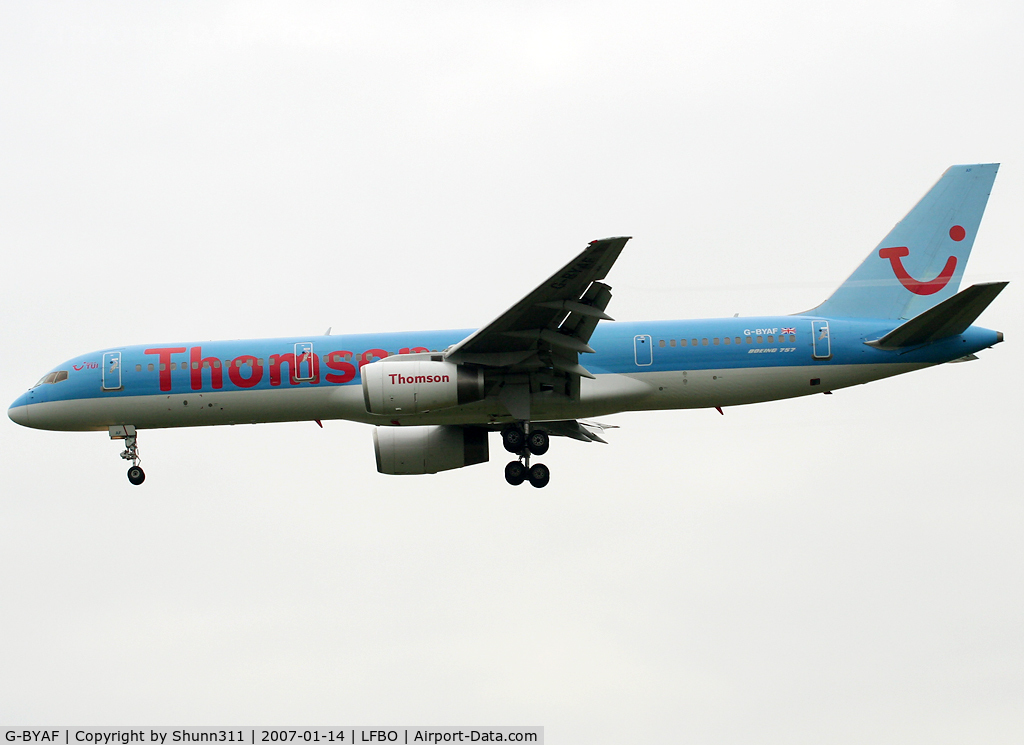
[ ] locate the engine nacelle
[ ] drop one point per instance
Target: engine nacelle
(396, 386)
(413, 450)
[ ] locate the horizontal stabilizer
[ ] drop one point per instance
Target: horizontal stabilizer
(952, 316)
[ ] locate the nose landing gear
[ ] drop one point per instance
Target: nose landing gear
(524, 443)
(131, 451)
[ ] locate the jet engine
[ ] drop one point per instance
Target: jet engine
(429, 449)
(396, 386)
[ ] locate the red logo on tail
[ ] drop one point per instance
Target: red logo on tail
(895, 256)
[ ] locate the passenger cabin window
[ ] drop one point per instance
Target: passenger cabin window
(661, 342)
(138, 368)
(150, 367)
(727, 340)
(737, 340)
(792, 338)
(671, 342)
(771, 339)
(682, 342)
(760, 340)
(694, 342)
(750, 340)
(716, 341)
(704, 342)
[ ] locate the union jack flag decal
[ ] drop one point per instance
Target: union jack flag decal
(788, 331)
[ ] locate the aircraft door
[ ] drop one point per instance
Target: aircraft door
(822, 344)
(111, 371)
(643, 350)
(304, 360)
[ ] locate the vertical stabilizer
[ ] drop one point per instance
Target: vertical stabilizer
(922, 260)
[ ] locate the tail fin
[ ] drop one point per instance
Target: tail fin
(922, 260)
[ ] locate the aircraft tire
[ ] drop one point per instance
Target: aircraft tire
(539, 475)
(538, 442)
(136, 475)
(512, 439)
(515, 473)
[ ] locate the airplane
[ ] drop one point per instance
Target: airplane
(552, 361)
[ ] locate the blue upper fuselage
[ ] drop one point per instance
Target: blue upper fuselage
(623, 347)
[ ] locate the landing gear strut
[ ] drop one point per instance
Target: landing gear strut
(519, 439)
(131, 451)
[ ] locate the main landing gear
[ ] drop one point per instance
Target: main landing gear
(131, 451)
(524, 442)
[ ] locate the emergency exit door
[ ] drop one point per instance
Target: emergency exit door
(111, 371)
(304, 367)
(643, 351)
(822, 344)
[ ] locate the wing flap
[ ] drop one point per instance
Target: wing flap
(576, 430)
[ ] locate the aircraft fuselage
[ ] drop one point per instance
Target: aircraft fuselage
(636, 366)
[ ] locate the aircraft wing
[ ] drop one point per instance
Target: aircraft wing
(550, 326)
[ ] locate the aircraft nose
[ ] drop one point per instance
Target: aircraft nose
(19, 412)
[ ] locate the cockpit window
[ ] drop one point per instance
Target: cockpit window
(54, 377)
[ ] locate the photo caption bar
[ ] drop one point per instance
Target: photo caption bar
(265, 735)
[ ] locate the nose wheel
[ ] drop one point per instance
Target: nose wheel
(524, 443)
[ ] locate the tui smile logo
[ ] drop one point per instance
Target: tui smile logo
(895, 256)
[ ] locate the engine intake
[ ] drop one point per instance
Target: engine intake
(393, 386)
(414, 450)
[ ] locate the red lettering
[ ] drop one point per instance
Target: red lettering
(165, 364)
(275, 367)
(196, 362)
(399, 379)
(235, 371)
(335, 361)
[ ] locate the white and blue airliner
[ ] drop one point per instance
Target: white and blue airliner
(552, 361)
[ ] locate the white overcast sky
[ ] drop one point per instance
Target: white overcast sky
(845, 569)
